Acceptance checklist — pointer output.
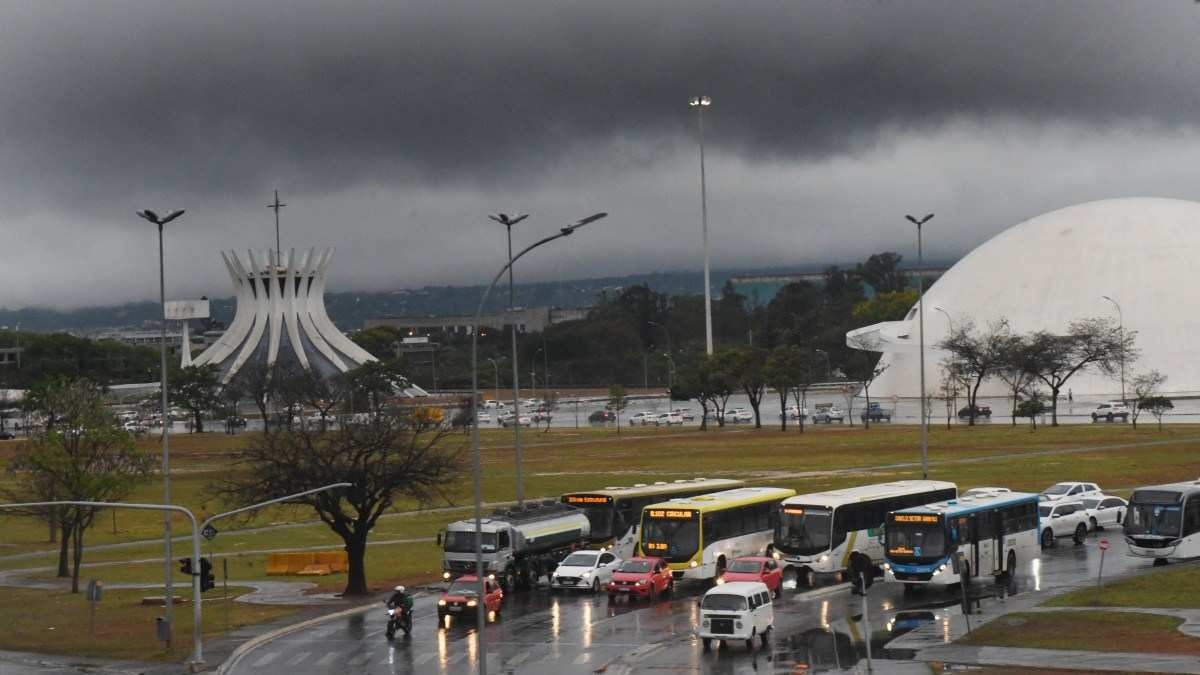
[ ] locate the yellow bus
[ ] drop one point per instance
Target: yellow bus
(700, 535)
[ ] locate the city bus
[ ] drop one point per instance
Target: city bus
(614, 511)
(1163, 522)
(832, 532)
(993, 532)
(700, 535)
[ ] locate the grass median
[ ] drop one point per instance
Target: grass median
(1087, 631)
(1167, 588)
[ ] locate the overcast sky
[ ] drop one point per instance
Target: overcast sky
(393, 128)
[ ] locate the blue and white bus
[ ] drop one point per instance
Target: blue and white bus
(994, 532)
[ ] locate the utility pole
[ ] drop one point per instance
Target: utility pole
(508, 222)
(278, 205)
(921, 330)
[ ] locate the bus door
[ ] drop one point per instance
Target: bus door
(997, 541)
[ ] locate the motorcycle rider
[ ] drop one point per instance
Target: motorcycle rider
(401, 598)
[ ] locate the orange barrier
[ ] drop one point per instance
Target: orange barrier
(282, 564)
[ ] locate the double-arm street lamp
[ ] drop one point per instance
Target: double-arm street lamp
(481, 615)
(166, 425)
(921, 330)
(508, 221)
(700, 103)
(1121, 320)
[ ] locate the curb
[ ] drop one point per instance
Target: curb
(258, 640)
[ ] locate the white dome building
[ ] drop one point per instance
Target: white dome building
(1046, 272)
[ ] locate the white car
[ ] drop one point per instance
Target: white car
(738, 610)
(794, 412)
(738, 415)
(1109, 410)
(507, 420)
(1104, 510)
(667, 419)
(483, 417)
(493, 403)
(588, 570)
(685, 413)
(1060, 491)
(981, 491)
(1062, 519)
(642, 418)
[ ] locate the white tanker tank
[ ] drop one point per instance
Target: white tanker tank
(520, 543)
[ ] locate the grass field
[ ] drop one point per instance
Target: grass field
(1089, 631)
(1173, 588)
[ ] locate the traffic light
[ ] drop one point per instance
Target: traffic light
(207, 580)
(185, 566)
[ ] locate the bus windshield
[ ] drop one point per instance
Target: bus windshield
(1155, 512)
(672, 534)
(803, 530)
(915, 540)
(599, 512)
(464, 542)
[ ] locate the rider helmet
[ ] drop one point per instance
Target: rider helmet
(399, 589)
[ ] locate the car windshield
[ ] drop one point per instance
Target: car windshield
(461, 587)
(724, 602)
(745, 566)
(635, 566)
(803, 530)
(1057, 489)
(1155, 512)
(580, 560)
(464, 542)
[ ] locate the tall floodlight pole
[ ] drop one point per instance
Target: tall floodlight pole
(169, 598)
(496, 380)
(276, 205)
(921, 331)
(481, 610)
(700, 103)
(1121, 320)
(508, 222)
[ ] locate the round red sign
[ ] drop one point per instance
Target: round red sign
(1103, 544)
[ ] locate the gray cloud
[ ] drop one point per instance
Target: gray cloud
(393, 127)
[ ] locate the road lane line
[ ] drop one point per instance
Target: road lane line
(327, 659)
(456, 658)
(267, 658)
(423, 659)
(519, 658)
(299, 658)
(582, 658)
(359, 660)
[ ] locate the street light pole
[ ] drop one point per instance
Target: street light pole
(169, 589)
(921, 331)
(828, 365)
(1121, 319)
(700, 103)
(496, 383)
(481, 612)
(508, 222)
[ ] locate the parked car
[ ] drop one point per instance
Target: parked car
(542, 416)
(6, 436)
(1104, 510)
(794, 412)
(983, 491)
(462, 597)
(739, 415)
(685, 413)
(827, 413)
(667, 419)
(1110, 410)
(754, 568)
(740, 610)
(876, 413)
(1070, 491)
(981, 411)
(508, 420)
(602, 416)
(483, 417)
(1062, 519)
(642, 418)
(585, 570)
(646, 577)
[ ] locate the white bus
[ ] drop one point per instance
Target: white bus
(614, 512)
(993, 532)
(839, 530)
(700, 535)
(1163, 522)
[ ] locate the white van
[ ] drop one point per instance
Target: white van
(738, 610)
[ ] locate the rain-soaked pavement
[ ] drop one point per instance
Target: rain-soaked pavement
(542, 633)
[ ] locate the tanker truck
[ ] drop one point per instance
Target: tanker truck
(520, 543)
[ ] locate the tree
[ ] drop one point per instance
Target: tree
(703, 378)
(747, 368)
(617, 402)
(783, 371)
(882, 272)
(891, 306)
(549, 405)
(1015, 368)
(252, 381)
(1031, 408)
(87, 457)
(1088, 343)
(1158, 406)
(375, 383)
(974, 357)
(196, 388)
(385, 456)
(866, 370)
(1145, 387)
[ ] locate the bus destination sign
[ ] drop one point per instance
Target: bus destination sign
(587, 499)
(915, 518)
(681, 514)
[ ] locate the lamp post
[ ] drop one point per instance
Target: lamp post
(169, 589)
(700, 103)
(828, 366)
(921, 331)
(508, 222)
(496, 373)
(1121, 320)
(481, 615)
(953, 384)
(670, 374)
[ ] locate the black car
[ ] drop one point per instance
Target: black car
(602, 416)
(964, 413)
(6, 436)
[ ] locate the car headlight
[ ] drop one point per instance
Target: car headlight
(692, 564)
(822, 558)
(472, 603)
(886, 567)
(587, 575)
(942, 567)
(641, 582)
(720, 580)
(776, 555)
(391, 612)
(441, 603)
(491, 577)
(445, 576)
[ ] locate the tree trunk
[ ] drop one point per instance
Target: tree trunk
(1054, 406)
(64, 550)
(356, 575)
(703, 415)
(867, 410)
(199, 417)
(783, 409)
(77, 545)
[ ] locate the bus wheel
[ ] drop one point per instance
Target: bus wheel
(707, 642)
(808, 577)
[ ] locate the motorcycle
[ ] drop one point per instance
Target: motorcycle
(398, 617)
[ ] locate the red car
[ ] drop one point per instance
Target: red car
(642, 578)
(460, 599)
(755, 568)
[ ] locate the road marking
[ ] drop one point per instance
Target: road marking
(359, 660)
(327, 659)
(265, 660)
(423, 659)
(456, 658)
(519, 658)
(582, 658)
(298, 659)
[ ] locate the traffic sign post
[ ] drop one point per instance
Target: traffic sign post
(1103, 548)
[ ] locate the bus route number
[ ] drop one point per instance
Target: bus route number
(588, 499)
(914, 518)
(655, 546)
(670, 513)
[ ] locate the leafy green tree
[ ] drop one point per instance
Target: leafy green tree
(882, 272)
(197, 389)
(891, 306)
(1031, 408)
(380, 341)
(784, 371)
(976, 356)
(746, 367)
(706, 379)
(1158, 406)
(617, 402)
(1088, 344)
(375, 383)
(865, 370)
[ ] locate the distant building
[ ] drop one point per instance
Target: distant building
(759, 289)
(527, 320)
(144, 338)
(10, 356)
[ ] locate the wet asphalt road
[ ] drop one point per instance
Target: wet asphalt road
(579, 633)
